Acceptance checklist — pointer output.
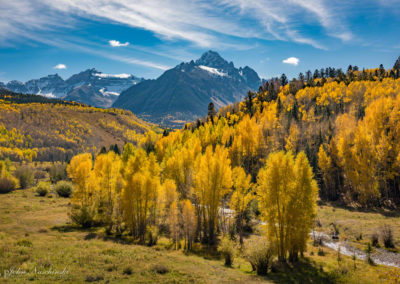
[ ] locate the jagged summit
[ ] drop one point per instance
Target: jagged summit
(213, 59)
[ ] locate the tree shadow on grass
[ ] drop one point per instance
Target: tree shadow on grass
(71, 228)
(205, 251)
(124, 239)
(301, 272)
(377, 210)
(93, 233)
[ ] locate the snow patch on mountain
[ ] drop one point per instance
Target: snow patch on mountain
(213, 70)
(48, 95)
(120, 76)
(108, 93)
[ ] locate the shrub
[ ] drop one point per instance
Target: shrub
(369, 250)
(259, 253)
(94, 278)
(43, 188)
(127, 271)
(25, 176)
(375, 239)
(387, 236)
(227, 249)
(58, 172)
(82, 216)
(24, 243)
(152, 236)
(321, 252)
(7, 184)
(160, 269)
(40, 175)
(42, 230)
(64, 188)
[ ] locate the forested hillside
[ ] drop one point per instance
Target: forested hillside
(37, 128)
(263, 156)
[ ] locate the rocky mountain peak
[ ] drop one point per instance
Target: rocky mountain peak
(214, 60)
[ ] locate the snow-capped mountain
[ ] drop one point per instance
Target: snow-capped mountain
(183, 93)
(90, 87)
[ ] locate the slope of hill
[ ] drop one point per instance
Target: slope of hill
(44, 129)
(90, 87)
(183, 93)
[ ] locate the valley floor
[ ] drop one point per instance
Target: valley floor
(38, 243)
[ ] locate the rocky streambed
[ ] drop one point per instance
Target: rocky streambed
(379, 256)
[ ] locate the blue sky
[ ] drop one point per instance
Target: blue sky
(146, 37)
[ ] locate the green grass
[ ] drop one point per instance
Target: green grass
(35, 233)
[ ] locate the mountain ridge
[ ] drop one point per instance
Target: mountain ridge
(90, 87)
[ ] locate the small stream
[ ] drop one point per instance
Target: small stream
(379, 256)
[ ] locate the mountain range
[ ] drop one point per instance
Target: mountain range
(179, 95)
(183, 93)
(90, 87)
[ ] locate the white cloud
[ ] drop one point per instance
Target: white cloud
(292, 61)
(116, 43)
(60, 66)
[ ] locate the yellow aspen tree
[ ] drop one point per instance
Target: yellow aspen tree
(80, 172)
(211, 183)
(302, 206)
(325, 166)
(364, 181)
(275, 189)
(168, 195)
(139, 195)
(83, 197)
(288, 195)
(173, 222)
(248, 145)
(241, 197)
(292, 140)
(107, 169)
(179, 167)
(189, 223)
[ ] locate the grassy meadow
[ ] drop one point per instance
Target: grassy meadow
(38, 243)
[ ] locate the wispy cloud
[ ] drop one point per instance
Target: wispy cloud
(116, 43)
(292, 61)
(20, 19)
(203, 23)
(60, 66)
(135, 61)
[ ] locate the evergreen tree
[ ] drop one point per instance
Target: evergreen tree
(283, 80)
(308, 75)
(397, 64)
(211, 111)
